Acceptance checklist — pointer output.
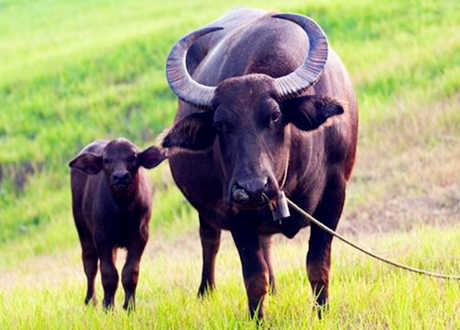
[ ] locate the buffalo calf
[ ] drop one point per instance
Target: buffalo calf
(111, 203)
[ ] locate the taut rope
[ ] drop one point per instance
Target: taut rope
(369, 253)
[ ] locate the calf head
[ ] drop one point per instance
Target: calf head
(249, 118)
(120, 161)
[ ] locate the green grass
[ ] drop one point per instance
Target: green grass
(71, 72)
(364, 293)
(74, 71)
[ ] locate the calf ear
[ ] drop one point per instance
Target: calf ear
(151, 157)
(87, 162)
(309, 112)
(194, 132)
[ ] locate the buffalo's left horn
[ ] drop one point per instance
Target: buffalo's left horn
(308, 73)
(178, 77)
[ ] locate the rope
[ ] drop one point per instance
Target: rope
(283, 180)
(369, 253)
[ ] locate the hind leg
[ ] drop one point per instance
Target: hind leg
(90, 259)
(210, 241)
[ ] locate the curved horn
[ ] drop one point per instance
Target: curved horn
(305, 75)
(178, 77)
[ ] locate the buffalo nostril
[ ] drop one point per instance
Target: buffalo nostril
(254, 186)
(249, 190)
(240, 195)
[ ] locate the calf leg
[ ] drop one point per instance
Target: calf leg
(255, 270)
(319, 252)
(89, 256)
(266, 242)
(130, 273)
(210, 241)
(109, 275)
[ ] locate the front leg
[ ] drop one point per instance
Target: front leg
(266, 241)
(109, 274)
(319, 251)
(255, 270)
(130, 273)
(210, 241)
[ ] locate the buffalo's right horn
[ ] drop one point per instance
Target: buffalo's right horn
(179, 79)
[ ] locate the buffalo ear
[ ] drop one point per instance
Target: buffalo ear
(194, 132)
(309, 112)
(87, 162)
(151, 157)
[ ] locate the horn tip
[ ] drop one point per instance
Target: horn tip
(297, 18)
(281, 15)
(210, 29)
(287, 16)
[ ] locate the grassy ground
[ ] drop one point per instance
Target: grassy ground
(73, 71)
(364, 294)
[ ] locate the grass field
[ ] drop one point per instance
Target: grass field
(74, 71)
(364, 294)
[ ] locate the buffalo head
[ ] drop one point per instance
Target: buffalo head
(247, 119)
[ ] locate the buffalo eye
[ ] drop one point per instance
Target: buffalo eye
(221, 126)
(131, 159)
(271, 112)
(275, 116)
(107, 161)
(274, 119)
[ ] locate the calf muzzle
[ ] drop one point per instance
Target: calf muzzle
(122, 178)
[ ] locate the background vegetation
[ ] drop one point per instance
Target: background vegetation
(74, 71)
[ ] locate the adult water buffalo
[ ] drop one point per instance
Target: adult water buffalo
(255, 96)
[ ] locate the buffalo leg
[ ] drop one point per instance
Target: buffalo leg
(210, 241)
(130, 273)
(89, 256)
(266, 242)
(319, 251)
(255, 270)
(109, 275)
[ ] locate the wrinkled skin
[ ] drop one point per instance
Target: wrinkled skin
(252, 141)
(111, 203)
